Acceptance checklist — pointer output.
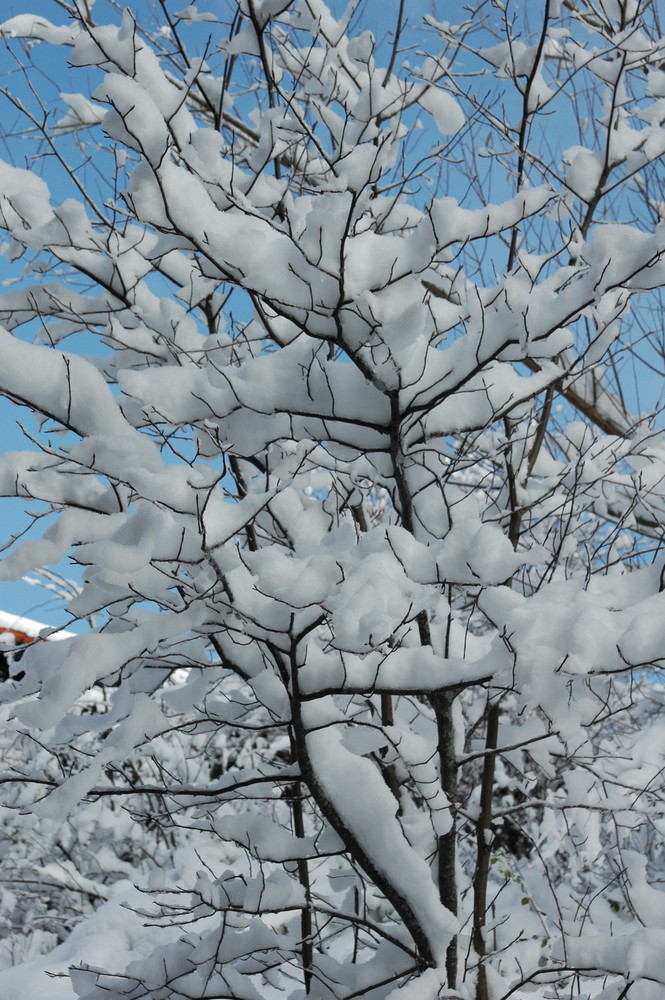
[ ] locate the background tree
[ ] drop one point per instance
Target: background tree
(342, 420)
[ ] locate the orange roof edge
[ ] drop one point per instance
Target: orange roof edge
(25, 630)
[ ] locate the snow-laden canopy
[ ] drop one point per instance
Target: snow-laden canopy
(324, 338)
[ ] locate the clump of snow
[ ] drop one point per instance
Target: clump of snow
(444, 109)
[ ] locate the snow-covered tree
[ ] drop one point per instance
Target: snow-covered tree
(342, 334)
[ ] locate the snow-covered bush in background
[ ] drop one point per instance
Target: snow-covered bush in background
(335, 343)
